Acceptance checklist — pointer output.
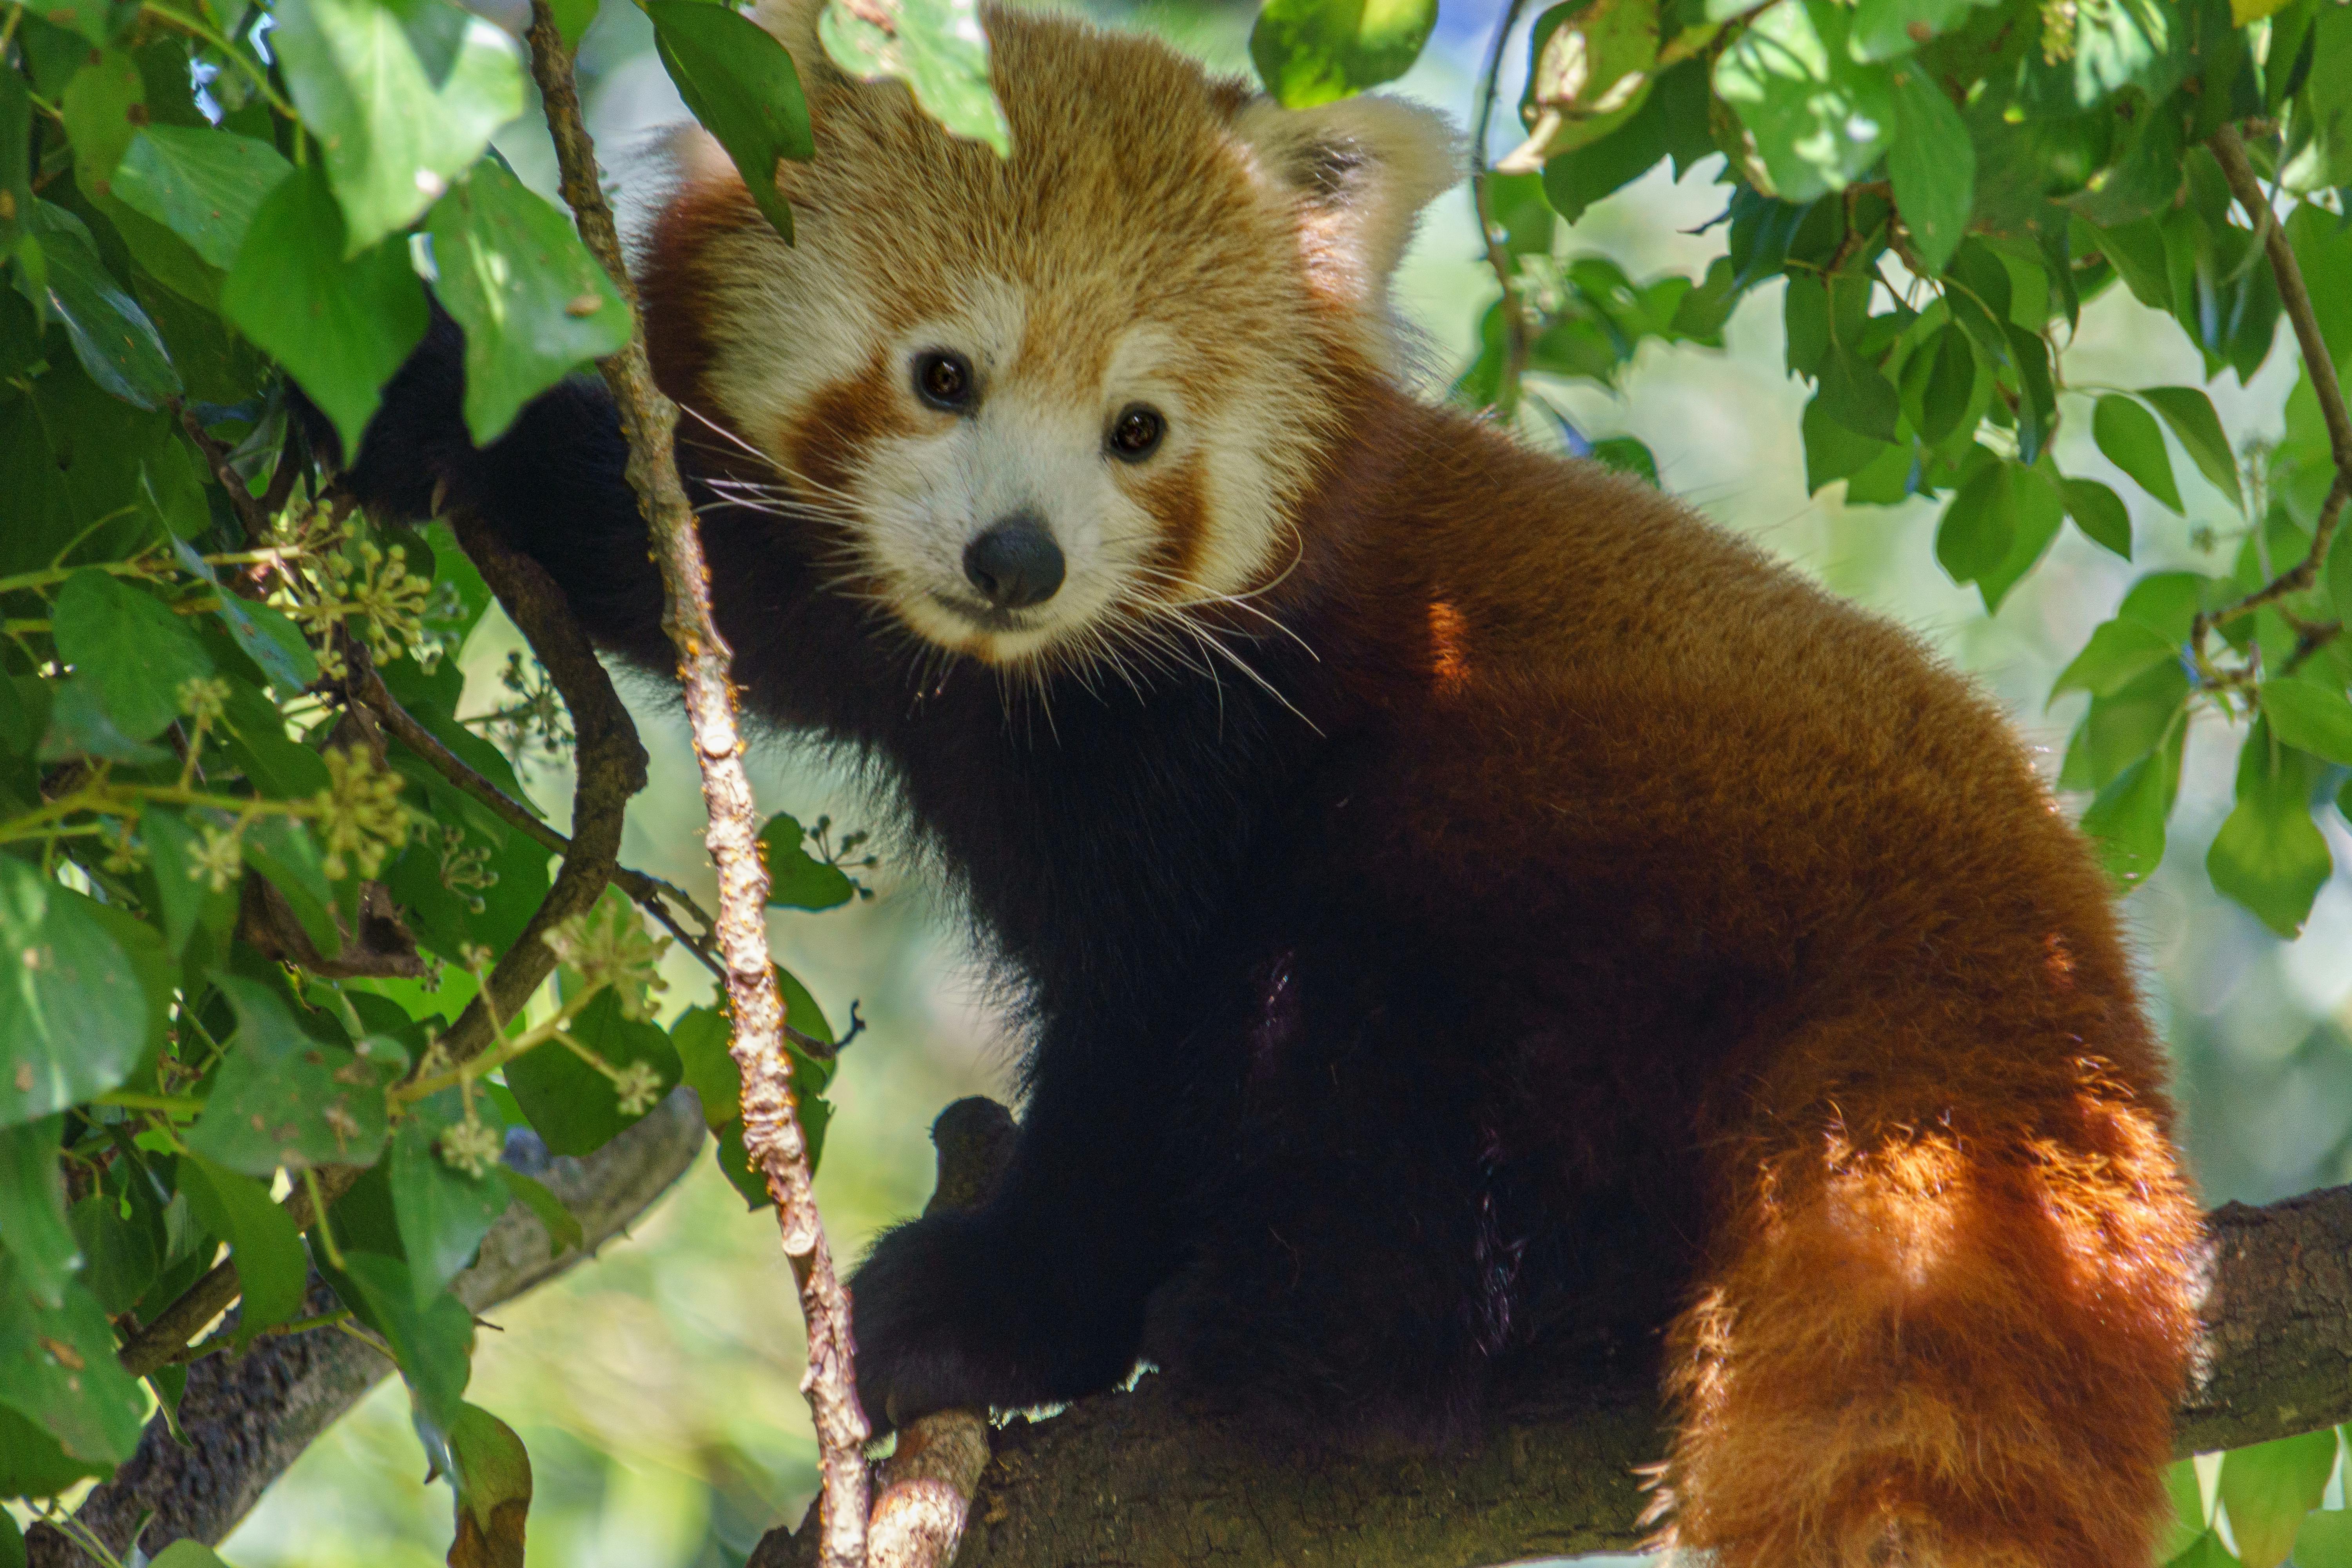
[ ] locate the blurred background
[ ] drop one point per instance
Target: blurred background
(656, 1388)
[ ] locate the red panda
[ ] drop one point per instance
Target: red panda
(1464, 908)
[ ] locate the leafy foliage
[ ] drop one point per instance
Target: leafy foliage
(247, 916)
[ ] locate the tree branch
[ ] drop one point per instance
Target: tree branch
(773, 1138)
(612, 768)
(1516, 337)
(2294, 299)
(248, 1417)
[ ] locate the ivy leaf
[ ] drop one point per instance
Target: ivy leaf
(2309, 717)
(122, 1257)
(342, 322)
(392, 141)
(2126, 823)
(283, 850)
(434, 1344)
(570, 1104)
(2037, 397)
(1592, 63)
(2324, 1540)
(797, 880)
(113, 338)
(1309, 52)
(102, 109)
(2268, 1488)
(135, 653)
(2100, 513)
(2270, 858)
(2117, 45)
(202, 186)
(33, 1464)
(442, 1213)
(1884, 29)
(2118, 653)
(1856, 394)
(2190, 414)
(1933, 165)
(571, 20)
(490, 1472)
(1821, 118)
(272, 1268)
(73, 1016)
(285, 1098)
(702, 1037)
(1627, 456)
(15, 160)
(1833, 451)
(2129, 437)
(58, 1368)
(32, 1210)
(186, 1552)
(740, 82)
(939, 51)
(267, 637)
(533, 303)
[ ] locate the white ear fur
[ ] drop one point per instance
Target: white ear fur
(1358, 172)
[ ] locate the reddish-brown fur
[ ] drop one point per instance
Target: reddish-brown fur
(1663, 897)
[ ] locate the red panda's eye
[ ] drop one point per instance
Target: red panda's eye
(1136, 432)
(943, 380)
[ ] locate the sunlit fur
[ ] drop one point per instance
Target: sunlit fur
(1470, 916)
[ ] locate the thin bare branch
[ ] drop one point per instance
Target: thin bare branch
(772, 1137)
(1517, 334)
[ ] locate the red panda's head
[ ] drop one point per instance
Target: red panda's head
(1033, 401)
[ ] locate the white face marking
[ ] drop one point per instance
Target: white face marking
(1026, 445)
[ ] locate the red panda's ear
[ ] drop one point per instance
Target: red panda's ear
(1356, 173)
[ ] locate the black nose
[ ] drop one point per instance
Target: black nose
(1015, 563)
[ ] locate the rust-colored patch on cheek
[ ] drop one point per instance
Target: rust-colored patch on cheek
(1449, 657)
(1180, 531)
(841, 423)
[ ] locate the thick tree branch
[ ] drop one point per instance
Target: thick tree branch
(773, 1138)
(612, 768)
(248, 1417)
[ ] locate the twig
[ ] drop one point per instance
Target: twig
(366, 687)
(2295, 298)
(1516, 336)
(771, 1129)
(254, 515)
(612, 768)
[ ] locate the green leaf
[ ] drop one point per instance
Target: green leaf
(563, 1231)
(1672, 121)
(1627, 456)
(2118, 653)
(12, 1540)
(442, 1213)
(1592, 67)
(571, 20)
(33, 1464)
(700, 1036)
(2269, 1487)
(2270, 858)
(2324, 1540)
(2126, 823)
(32, 1210)
(574, 1107)
(283, 850)
(534, 304)
(2037, 400)
(58, 1368)
(2117, 45)
(73, 1018)
(391, 140)
(102, 109)
(2309, 717)
(797, 880)
(1856, 394)
(2128, 436)
(272, 1268)
(1309, 52)
(136, 653)
(1820, 119)
(1979, 526)
(122, 1257)
(112, 339)
(285, 1098)
(342, 323)
(2190, 414)
(490, 1472)
(204, 186)
(186, 1552)
(434, 1344)
(267, 637)
(1833, 451)
(2100, 513)
(1884, 29)
(739, 81)
(939, 51)
(79, 726)
(2186, 1499)
(1939, 382)
(2205, 1551)
(1933, 166)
